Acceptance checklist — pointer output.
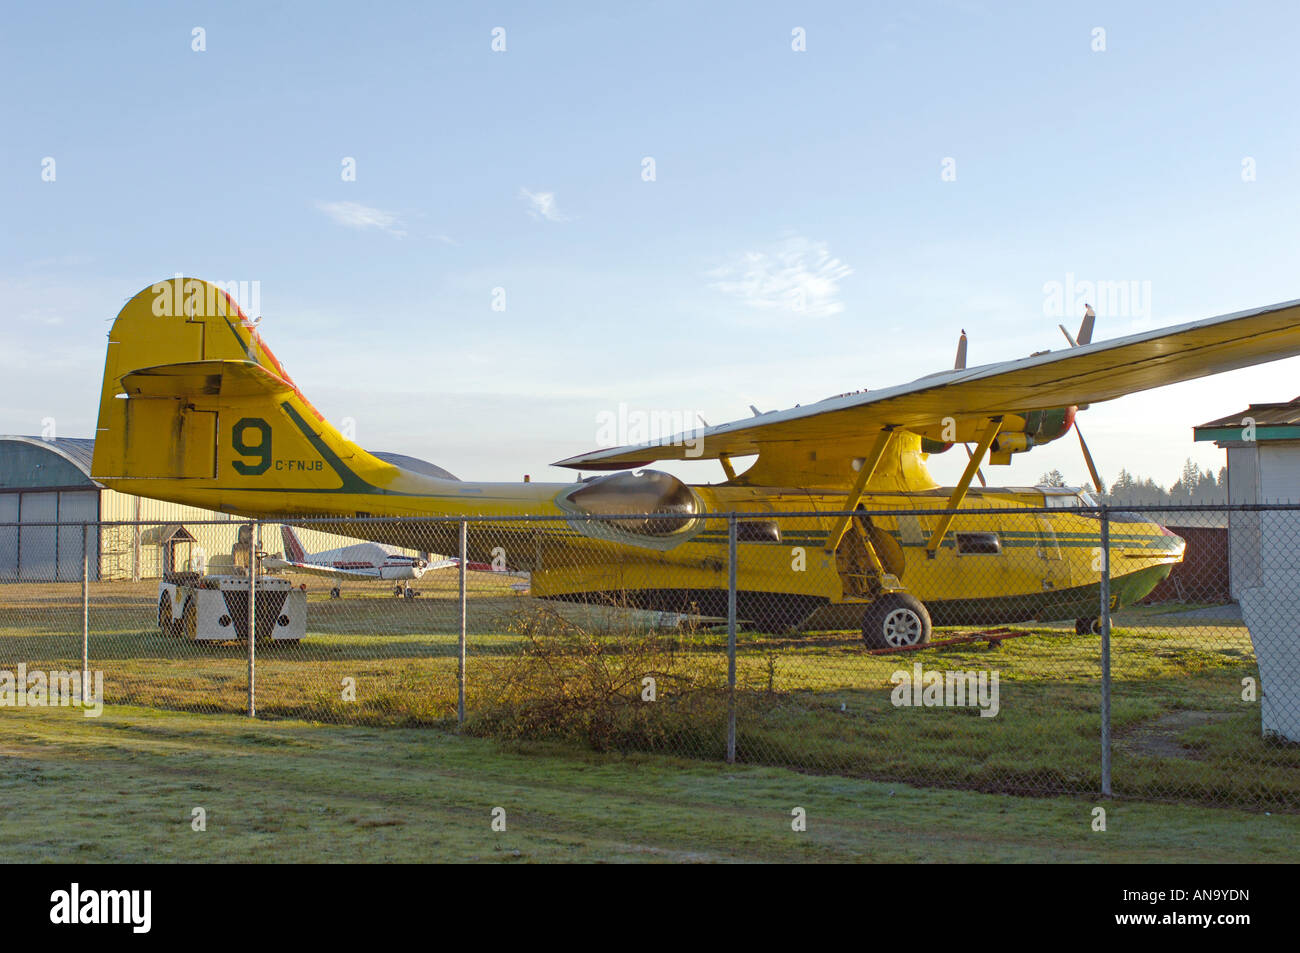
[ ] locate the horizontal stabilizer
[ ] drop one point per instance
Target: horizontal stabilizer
(204, 379)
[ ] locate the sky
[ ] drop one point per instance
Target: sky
(475, 230)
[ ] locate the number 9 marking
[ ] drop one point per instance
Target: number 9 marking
(260, 450)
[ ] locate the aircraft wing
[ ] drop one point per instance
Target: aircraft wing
(1087, 374)
(318, 569)
(472, 566)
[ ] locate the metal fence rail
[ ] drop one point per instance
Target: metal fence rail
(1081, 650)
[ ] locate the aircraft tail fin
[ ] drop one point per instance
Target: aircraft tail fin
(293, 549)
(196, 408)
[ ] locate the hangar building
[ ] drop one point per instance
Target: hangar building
(48, 481)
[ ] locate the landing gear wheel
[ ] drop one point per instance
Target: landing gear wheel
(1087, 626)
(896, 620)
(336, 593)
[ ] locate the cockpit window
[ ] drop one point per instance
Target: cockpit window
(1069, 499)
(634, 492)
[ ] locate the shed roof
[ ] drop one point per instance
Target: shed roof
(1270, 421)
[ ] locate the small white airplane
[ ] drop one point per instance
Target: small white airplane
(359, 561)
(367, 561)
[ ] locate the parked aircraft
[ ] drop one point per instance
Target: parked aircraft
(195, 408)
(360, 560)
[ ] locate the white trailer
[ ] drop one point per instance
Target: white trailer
(215, 608)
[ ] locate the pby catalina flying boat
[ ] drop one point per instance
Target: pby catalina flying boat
(196, 409)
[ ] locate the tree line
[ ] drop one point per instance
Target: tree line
(1193, 486)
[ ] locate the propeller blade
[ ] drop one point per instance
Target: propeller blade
(960, 363)
(1087, 458)
(978, 472)
(1085, 329)
(1073, 342)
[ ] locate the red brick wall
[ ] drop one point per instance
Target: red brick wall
(1202, 576)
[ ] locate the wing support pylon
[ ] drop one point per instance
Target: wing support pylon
(959, 491)
(865, 470)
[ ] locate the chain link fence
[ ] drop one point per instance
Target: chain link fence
(1148, 652)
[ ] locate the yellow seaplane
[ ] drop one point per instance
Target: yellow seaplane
(196, 409)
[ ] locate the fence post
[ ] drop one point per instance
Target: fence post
(253, 533)
(460, 664)
(731, 638)
(85, 609)
(1105, 650)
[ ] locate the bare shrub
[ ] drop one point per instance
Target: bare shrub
(577, 682)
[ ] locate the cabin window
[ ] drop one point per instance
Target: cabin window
(979, 544)
(757, 531)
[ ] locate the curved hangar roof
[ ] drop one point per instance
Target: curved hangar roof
(30, 463)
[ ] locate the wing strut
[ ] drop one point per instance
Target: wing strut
(959, 491)
(727, 468)
(869, 464)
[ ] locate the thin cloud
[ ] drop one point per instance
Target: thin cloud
(798, 275)
(542, 205)
(356, 215)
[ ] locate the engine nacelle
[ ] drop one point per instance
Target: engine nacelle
(1035, 428)
(1020, 432)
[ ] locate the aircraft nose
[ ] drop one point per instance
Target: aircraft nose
(1174, 543)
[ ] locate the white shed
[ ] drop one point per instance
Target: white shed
(1263, 445)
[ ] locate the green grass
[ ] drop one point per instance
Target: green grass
(121, 789)
(816, 703)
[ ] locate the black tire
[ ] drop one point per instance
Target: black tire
(1087, 626)
(896, 620)
(189, 627)
(168, 625)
